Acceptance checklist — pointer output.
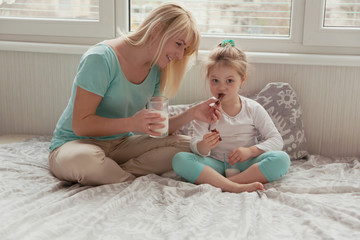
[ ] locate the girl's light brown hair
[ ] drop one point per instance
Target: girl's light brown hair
(228, 55)
(170, 19)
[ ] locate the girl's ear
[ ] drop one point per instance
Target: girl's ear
(243, 80)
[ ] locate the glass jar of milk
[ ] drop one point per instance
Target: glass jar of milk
(160, 105)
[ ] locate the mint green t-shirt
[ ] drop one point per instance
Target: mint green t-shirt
(99, 72)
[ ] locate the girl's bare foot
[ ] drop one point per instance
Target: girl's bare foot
(249, 187)
(212, 177)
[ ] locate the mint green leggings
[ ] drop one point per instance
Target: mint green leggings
(273, 164)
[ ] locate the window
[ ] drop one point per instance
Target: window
(64, 18)
(75, 10)
(246, 18)
(271, 25)
(332, 23)
(342, 13)
(249, 21)
(280, 26)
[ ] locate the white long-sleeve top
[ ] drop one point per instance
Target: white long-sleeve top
(240, 130)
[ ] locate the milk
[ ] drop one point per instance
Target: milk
(231, 172)
(164, 130)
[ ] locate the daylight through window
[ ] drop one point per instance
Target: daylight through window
(50, 9)
(246, 17)
(342, 13)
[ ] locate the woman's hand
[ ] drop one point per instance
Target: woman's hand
(203, 111)
(206, 111)
(146, 121)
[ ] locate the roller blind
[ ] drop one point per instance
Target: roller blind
(259, 18)
(50, 9)
(342, 13)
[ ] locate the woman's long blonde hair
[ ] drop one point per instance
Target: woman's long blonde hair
(170, 19)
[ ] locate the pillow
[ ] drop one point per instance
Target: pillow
(187, 129)
(280, 101)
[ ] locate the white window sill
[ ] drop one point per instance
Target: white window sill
(42, 47)
(253, 57)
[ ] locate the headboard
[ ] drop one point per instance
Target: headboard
(35, 88)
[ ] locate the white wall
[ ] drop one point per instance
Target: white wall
(35, 87)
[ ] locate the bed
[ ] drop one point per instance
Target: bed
(319, 198)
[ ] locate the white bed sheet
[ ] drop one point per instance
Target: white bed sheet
(318, 199)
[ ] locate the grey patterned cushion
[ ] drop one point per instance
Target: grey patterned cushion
(177, 109)
(280, 101)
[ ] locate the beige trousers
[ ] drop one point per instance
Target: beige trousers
(94, 162)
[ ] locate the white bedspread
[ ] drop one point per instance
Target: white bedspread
(318, 199)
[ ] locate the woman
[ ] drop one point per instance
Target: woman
(93, 141)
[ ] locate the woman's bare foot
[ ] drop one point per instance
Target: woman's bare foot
(249, 187)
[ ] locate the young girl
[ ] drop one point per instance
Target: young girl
(234, 134)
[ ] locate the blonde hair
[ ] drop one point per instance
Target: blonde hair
(170, 19)
(227, 55)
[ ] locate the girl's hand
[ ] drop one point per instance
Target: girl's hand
(146, 121)
(206, 111)
(240, 154)
(211, 140)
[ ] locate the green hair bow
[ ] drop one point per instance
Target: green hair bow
(228, 42)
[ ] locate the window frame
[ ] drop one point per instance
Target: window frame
(292, 44)
(317, 35)
(114, 16)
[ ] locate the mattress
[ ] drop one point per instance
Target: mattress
(318, 199)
